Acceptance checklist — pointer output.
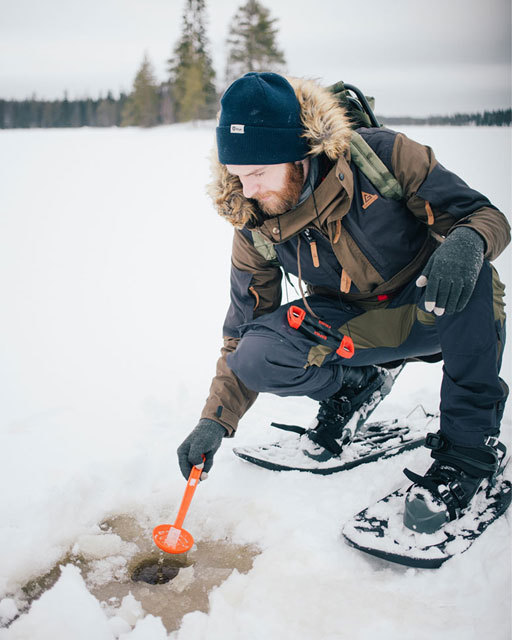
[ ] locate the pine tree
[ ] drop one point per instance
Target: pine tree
(251, 41)
(166, 104)
(106, 114)
(191, 71)
(142, 107)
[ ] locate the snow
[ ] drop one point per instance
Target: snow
(8, 610)
(66, 611)
(114, 283)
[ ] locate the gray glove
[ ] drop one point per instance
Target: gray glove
(205, 439)
(452, 271)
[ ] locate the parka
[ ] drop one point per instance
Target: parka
(346, 241)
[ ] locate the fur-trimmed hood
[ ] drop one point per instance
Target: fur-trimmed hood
(327, 128)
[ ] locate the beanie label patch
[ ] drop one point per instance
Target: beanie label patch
(237, 128)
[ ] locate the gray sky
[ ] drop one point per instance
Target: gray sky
(416, 58)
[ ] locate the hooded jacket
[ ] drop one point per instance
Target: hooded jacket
(346, 240)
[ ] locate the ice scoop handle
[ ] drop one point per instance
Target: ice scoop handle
(192, 482)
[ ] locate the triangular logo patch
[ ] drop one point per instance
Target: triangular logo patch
(368, 199)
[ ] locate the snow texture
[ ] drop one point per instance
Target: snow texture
(114, 273)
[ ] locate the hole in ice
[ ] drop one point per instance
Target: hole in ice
(155, 571)
(120, 558)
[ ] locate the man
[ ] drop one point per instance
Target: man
(405, 277)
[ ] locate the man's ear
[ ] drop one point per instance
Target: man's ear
(304, 163)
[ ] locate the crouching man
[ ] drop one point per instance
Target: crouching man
(405, 271)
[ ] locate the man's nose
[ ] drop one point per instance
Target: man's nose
(250, 187)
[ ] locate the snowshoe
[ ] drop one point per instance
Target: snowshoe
(414, 526)
(373, 441)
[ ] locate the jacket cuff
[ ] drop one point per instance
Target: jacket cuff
(225, 417)
(492, 226)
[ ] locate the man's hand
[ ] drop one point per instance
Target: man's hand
(205, 439)
(451, 273)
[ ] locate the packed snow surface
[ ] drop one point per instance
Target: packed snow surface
(114, 272)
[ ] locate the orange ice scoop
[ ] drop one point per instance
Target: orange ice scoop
(172, 538)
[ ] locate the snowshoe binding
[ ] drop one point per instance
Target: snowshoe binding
(342, 415)
(449, 485)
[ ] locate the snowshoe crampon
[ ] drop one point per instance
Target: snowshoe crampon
(379, 529)
(373, 441)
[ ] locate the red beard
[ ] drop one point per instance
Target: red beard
(277, 202)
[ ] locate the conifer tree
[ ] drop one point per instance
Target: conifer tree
(252, 42)
(191, 71)
(142, 107)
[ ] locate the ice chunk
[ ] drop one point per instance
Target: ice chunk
(130, 610)
(172, 537)
(99, 546)
(8, 610)
(183, 580)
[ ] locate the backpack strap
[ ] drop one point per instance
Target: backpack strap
(365, 158)
(266, 249)
(263, 246)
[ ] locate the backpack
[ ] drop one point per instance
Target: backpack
(360, 110)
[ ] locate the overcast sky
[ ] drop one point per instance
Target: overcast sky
(416, 57)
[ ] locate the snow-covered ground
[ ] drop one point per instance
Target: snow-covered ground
(114, 285)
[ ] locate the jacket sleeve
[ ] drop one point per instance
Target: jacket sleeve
(444, 201)
(255, 291)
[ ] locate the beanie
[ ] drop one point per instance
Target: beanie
(260, 122)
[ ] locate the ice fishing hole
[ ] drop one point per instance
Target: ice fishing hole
(156, 570)
(112, 562)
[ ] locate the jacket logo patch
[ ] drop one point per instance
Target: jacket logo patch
(237, 128)
(368, 199)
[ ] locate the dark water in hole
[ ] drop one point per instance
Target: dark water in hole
(155, 571)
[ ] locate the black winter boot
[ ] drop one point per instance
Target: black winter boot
(449, 485)
(340, 416)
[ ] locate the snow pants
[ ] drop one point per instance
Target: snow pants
(272, 357)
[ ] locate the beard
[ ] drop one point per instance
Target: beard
(277, 202)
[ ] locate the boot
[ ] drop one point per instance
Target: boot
(362, 390)
(449, 485)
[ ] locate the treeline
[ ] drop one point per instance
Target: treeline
(104, 112)
(498, 118)
(108, 112)
(188, 93)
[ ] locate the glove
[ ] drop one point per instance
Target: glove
(205, 439)
(451, 273)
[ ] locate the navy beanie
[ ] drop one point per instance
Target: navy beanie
(260, 122)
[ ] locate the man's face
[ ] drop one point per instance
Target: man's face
(275, 187)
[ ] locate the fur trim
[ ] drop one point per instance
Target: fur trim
(326, 127)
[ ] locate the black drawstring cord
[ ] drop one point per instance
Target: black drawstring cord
(314, 200)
